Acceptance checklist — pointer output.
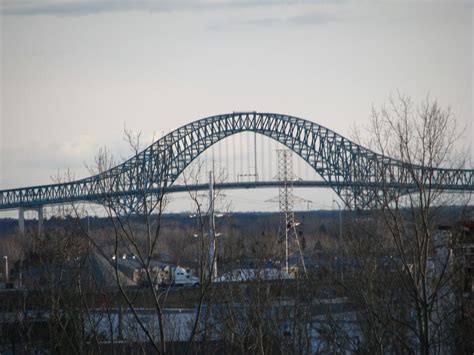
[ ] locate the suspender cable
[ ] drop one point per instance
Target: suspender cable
(248, 157)
(241, 158)
(213, 151)
(227, 158)
(206, 161)
(269, 158)
(233, 158)
(255, 154)
(262, 153)
(298, 159)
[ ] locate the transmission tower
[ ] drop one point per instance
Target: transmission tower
(286, 200)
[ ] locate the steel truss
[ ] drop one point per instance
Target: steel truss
(286, 201)
(357, 174)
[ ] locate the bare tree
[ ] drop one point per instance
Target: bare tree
(135, 229)
(407, 264)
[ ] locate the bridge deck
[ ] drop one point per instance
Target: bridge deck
(28, 201)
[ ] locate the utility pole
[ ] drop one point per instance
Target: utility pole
(6, 269)
(212, 230)
(340, 236)
(89, 251)
(340, 223)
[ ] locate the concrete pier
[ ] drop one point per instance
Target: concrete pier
(40, 220)
(21, 219)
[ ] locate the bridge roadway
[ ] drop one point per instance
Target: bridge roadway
(300, 184)
(26, 200)
(31, 203)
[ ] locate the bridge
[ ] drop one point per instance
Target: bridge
(357, 174)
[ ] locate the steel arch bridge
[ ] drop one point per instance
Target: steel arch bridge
(356, 174)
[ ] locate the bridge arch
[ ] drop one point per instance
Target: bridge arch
(356, 174)
(315, 144)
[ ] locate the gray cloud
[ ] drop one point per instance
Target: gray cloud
(313, 18)
(81, 8)
(90, 7)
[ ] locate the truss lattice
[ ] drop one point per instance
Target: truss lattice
(288, 224)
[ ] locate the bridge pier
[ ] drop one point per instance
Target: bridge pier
(40, 220)
(21, 219)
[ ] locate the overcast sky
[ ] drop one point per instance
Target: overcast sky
(73, 73)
